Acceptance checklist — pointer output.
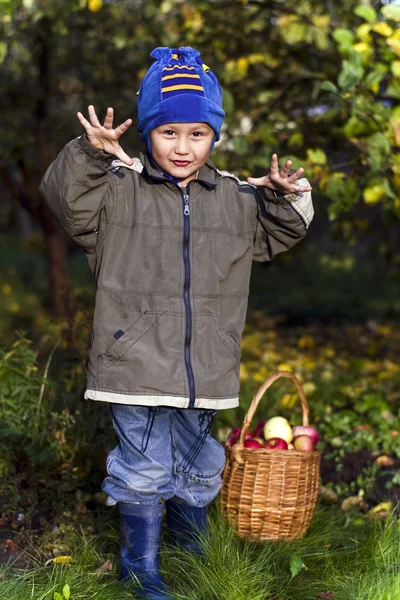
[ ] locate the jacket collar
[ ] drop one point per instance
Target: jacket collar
(208, 174)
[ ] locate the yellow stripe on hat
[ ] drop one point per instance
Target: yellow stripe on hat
(178, 67)
(172, 88)
(180, 75)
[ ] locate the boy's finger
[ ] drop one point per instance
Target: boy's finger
(108, 121)
(286, 168)
(124, 157)
(123, 127)
(274, 164)
(297, 175)
(93, 117)
(83, 121)
(257, 180)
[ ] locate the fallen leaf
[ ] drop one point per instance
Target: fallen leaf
(384, 461)
(60, 560)
(328, 496)
(10, 544)
(354, 503)
(107, 567)
(295, 565)
(382, 507)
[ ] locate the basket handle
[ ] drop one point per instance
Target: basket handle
(238, 447)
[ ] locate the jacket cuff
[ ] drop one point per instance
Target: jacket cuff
(300, 202)
(95, 154)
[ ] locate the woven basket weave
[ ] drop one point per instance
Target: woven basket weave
(270, 494)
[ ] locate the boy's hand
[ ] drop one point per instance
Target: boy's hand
(104, 137)
(280, 179)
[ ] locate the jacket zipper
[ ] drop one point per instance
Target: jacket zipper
(186, 295)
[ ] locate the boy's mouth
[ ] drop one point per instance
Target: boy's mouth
(181, 163)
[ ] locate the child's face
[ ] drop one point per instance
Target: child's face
(180, 149)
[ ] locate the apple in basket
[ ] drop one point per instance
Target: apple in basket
(306, 430)
(259, 430)
(234, 436)
(278, 427)
(276, 444)
(303, 443)
(252, 443)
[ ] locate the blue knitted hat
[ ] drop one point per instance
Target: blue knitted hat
(179, 88)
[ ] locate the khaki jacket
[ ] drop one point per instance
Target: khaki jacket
(171, 269)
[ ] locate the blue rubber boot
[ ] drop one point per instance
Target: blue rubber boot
(140, 549)
(184, 525)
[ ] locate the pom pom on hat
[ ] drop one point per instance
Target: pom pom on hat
(179, 88)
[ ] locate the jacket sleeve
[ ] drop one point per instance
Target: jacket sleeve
(282, 221)
(76, 187)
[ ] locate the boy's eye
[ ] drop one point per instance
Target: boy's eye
(169, 132)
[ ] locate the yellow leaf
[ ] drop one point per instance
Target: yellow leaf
(309, 387)
(63, 560)
(362, 48)
(363, 32)
(243, 373)
(95, 5)
(373, 194)
(6, 289)
(284, 367)
(288, 400)
(242, 65)
(394, 44)
(285, 20)
(306, 341)
(383, 506)
(14, 307)
(321, 21)
(383, 28)
(395, 68)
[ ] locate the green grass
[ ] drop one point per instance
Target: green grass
(351, 557)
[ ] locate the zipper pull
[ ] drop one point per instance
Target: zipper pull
(186, 210)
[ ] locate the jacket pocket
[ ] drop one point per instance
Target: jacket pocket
(128, 338)
(216, 358)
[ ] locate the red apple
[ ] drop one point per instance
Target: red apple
(252, 443)
(276, 444)
(299, 430)
(234, 436)
(259, 430)
(303, 443)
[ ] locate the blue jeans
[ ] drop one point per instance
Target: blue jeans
(163, 452)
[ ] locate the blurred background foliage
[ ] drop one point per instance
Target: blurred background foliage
(314, 80)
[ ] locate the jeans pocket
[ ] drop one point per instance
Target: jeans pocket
(149, 426)
(205, 420)
(207, 469)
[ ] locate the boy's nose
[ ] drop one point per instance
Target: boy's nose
(182, 146)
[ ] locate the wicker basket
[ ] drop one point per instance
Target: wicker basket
(270, 494)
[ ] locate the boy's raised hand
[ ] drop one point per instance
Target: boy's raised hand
(104, 137)
(280, 179)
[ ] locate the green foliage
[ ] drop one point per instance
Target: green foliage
(296, 70)
(345, 555)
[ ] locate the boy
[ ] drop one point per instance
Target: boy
(170, 241)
